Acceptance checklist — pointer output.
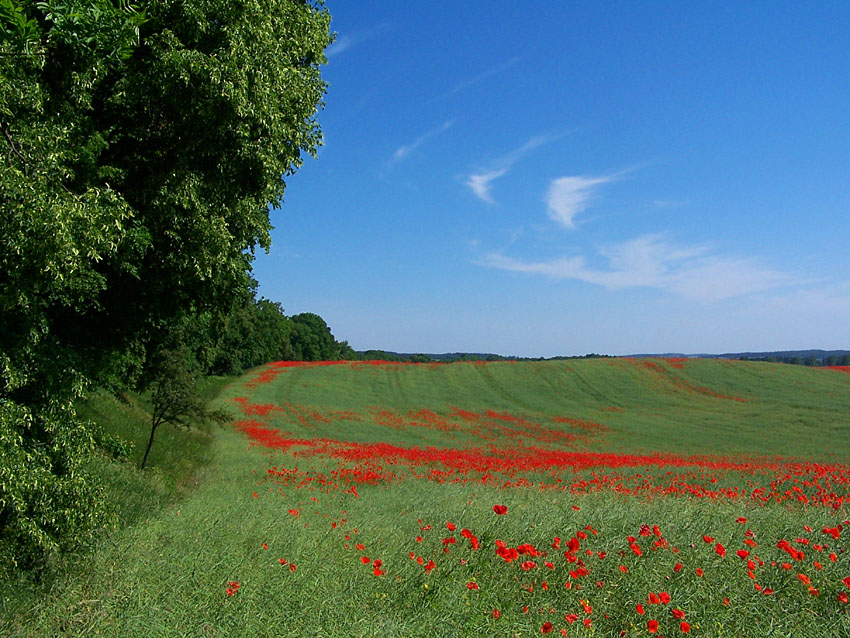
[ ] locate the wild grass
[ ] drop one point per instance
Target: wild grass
(167, 571)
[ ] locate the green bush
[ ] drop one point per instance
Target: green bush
(48, 502)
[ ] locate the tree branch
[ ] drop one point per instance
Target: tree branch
(14, 150)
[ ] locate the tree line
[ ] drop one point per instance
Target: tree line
(833, 360)
(143, 145)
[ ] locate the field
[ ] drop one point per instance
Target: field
(603, 497)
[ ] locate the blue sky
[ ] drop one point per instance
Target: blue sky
(545, 178)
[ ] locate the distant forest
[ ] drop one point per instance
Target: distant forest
(794, 357)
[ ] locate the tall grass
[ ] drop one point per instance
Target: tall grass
(167, 572)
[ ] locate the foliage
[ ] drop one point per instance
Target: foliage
(144, 146)
(48, 502)
(175, 396)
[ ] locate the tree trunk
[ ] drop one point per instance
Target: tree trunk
(154, 426)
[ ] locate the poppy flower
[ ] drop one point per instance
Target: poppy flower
(708, 539)
(685, 627)
(496, 613)
(665, 597)
(843, 597)
(652, 626)
(365, 560)
(546, 628)
(721, 551)
(500, 509)
(639, 609)
(677, 613)
(699, 571)
(451, 526)
(846, 581)
(571, 618)
(472, 585)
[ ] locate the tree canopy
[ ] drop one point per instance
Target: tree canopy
(144, 145)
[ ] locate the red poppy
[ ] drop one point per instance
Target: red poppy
(685, 627)
(846, 581)
(665, 597)
(699, 571)
(472, 585)
(721, 551)
(624, 569)
(740, 519)
(546, 628)
(377, 571)
(365, 560)
(677, 613)
(292, 567)
(677, 567)
(708, 539)
(639, 609)
(451, 526)
(843, 597)
(496, 613)
(571, 618)
(652, 626)
(265, 546)
(500, 509)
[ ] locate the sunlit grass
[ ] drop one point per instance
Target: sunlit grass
(169, 574)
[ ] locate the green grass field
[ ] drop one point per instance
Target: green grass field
(643, 498)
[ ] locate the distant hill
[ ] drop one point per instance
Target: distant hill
(806, 357)
(819, 355)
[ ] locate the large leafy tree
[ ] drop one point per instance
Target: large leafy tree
(143, 145)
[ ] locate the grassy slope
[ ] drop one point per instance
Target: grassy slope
(166, 573)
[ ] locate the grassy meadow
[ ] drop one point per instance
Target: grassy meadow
(600, 497)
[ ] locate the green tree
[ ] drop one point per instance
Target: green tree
(144, 146)
(312, 339)
(175, 398)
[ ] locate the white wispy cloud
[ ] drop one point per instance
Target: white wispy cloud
(465, 84)
(652, 261)
(480, 183)
(347, 41)
(403, 151)
(339, 45)
(568, 196)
